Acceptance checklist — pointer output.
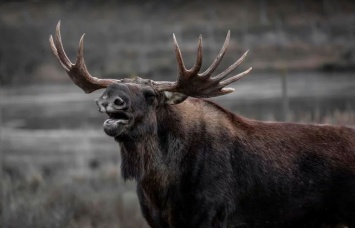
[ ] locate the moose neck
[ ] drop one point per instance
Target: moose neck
(139, 149)
(138, 155)
(175, 132)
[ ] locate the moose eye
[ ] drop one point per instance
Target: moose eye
(149, 96)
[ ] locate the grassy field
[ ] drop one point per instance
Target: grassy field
(98, 199)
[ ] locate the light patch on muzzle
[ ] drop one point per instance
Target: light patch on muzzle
(114, 127)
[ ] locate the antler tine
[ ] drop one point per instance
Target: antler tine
(55, 52)
(231, 67)
(183, 72)
(181, 65)
(196, 68)
(233, 79)
(218, 59)
(60, 50)
(80, 62)
(80, 57)
(194, 84)
(78, 71)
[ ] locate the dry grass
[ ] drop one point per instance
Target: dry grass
(98, 200)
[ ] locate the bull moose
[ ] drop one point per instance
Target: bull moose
(197, 164)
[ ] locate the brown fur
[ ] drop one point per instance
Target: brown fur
(197, 160)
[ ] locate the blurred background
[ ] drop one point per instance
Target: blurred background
(59, 169)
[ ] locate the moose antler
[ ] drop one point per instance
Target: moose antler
(194, 84)
(78, 71)
(190, 82)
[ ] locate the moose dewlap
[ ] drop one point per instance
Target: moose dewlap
(197, 164)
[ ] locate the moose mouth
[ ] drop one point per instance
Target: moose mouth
(114, 125)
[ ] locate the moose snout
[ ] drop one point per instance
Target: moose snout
(110, 105)
(101, 105)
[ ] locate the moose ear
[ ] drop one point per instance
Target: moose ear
(174, 97)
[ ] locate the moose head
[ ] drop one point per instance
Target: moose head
(131, 103)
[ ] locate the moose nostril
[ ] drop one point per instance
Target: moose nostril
(118, 101)
(101, 105)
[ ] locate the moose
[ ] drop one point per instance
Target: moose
(197, 164)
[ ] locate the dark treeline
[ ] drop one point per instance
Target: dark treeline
(134, 38)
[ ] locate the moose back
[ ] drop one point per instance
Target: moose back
(197, 164)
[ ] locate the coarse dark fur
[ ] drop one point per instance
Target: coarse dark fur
(199, 165)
